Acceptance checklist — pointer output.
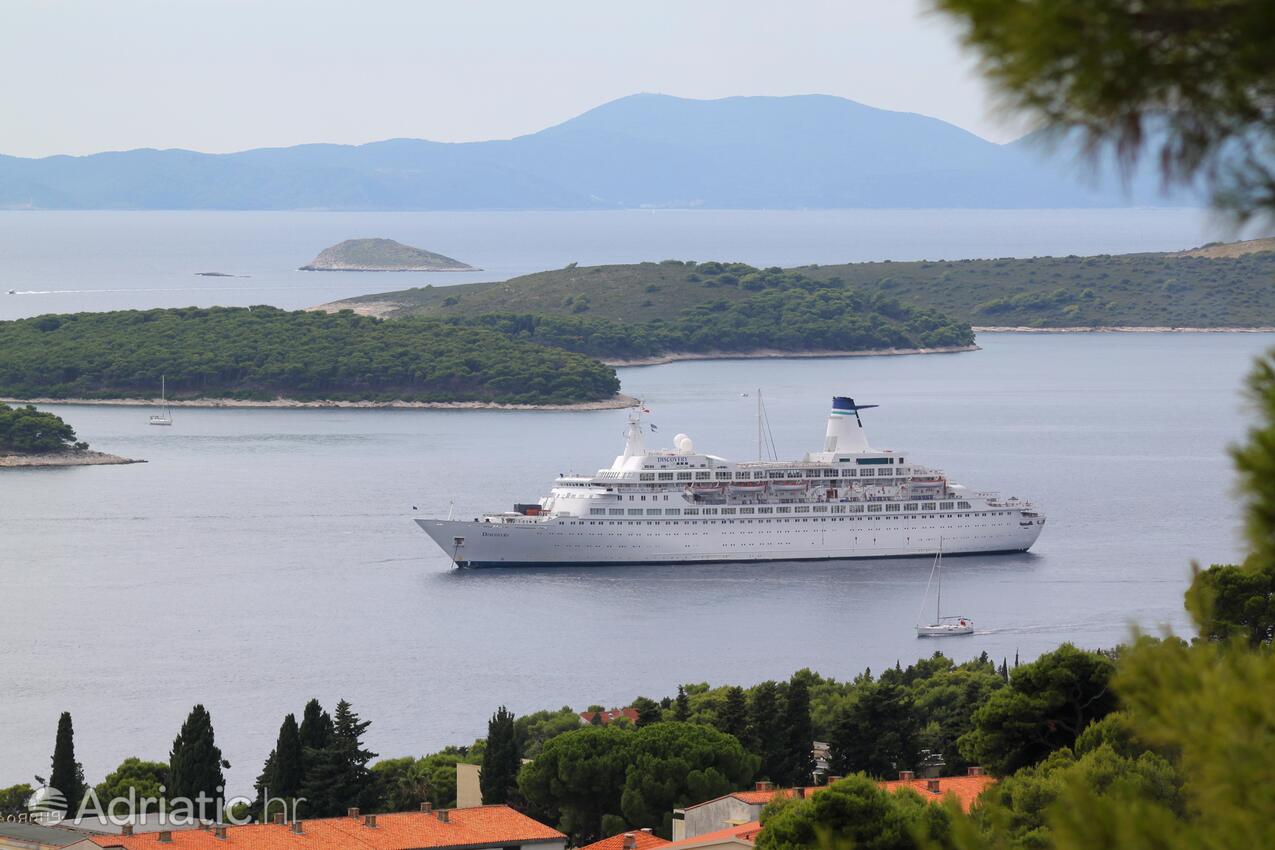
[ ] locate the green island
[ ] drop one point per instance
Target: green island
(924, 303)
(381, 255)
(264, 354)
(30, 437)
(623, 312)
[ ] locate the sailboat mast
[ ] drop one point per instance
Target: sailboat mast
(938, 597)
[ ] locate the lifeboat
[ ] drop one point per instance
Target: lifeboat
(788, 485)
(748, 486)
(705, 489)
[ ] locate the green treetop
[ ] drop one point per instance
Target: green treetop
(25, 430)
(1196, 78)
(145, 779)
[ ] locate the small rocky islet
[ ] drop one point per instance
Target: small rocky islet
(381, 255)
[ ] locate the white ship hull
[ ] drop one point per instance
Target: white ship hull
(680, 506)
(579, 542)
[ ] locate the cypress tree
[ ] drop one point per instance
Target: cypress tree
(798, 763)
(733, 719)
(766, 728)
(284, 770)
(501, 759)
(195, 762)
(67, 776)
(316, 727)
(682, 706)
(337, 776)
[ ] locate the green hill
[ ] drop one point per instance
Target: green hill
(1139, 290)
(266, 353)
(651, 309)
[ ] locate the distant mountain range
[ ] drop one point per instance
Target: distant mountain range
(809, 151)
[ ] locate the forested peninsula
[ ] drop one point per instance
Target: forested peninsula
(264, 353)
(649, 310)
(685, 306)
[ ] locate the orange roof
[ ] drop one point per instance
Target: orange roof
(965, 788)
(608, 715)
(746, 832)
(642, 839)
(480, 826)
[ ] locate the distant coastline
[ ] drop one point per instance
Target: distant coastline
(776, 354)
(618, 401)
(69, 458)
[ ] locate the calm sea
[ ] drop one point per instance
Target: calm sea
(262, 557)
(69, 261)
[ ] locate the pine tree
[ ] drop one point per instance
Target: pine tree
(797, 763)
(337, 777)
(648, 711)
(284, 770)
(733, 719)
(67, 776)
(501, 759)
(195, 763)
(682, 706)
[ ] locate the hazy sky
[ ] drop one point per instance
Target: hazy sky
(221, 75)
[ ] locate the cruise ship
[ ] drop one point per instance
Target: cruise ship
(681, 506)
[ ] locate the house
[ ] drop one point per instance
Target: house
(642, 839)
(479, 828)
(608, 715)
(739, 808)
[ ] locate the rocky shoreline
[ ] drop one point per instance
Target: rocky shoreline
(618, 401)
(71, 458)
(770, 354)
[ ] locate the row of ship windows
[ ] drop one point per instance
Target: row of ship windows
(725, 475)
(874, 508)
(787, 519)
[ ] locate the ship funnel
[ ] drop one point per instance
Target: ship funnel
(845, 428)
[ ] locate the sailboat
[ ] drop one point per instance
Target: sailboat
(165, 417)
(942, 626)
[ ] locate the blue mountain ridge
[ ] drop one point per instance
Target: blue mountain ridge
(646, 150)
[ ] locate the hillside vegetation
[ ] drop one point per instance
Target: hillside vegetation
(650, 309)
(267, 353)
(1139, 290)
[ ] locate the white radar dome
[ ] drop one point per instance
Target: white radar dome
(684, 443)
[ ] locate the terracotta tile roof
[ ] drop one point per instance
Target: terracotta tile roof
(630, 714)
(480, 826)
(642, 841)
(758, 797)
(965, 788)
(746, 832)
